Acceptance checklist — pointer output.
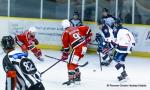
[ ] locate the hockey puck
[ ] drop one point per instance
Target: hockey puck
(94, 70)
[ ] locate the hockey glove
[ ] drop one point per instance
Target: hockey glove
(36, 41)
(65, 56)
(99, 49)
(31, 47)
(98, 38)
(133, 44)
(24, 48)
(107, 45)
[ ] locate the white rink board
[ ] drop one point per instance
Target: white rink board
(49, 31)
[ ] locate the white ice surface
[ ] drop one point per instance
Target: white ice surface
(138, 70)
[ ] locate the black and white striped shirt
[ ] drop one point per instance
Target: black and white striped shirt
(27, 74)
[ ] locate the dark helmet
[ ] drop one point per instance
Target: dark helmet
(118, 21)
(75, 13)
(105, 10)
(101, 21)
(7, 42)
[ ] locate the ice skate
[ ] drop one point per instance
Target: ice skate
(69, 82)
(40, 59)
(123, 76)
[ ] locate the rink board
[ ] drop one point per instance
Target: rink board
(49, 33)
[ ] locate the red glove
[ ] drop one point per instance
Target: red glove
(65, 56)
(24, 48)
(36, 41)
(88, 40)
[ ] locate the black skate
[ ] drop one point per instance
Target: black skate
(105, 63)
(40, 59)
(123, 76)
(78, 79)
(68, 82)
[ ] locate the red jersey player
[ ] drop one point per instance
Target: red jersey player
(77, 39)
(27, 41)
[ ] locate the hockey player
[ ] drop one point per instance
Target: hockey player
(21, 73)
(107, 17)
(103, 48)
(104, 43)
(75, 21)
(27, 41)
(124, 43)
(106, 25)
(75, 38)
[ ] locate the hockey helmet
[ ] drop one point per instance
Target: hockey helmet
(32, 31)
(118, 22)
(7, 43)
(105, 10)
(76, 15)
(65, 23)
(101, 21)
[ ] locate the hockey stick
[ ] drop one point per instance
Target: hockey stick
(49, 68)
(66, 61)
(100, 60)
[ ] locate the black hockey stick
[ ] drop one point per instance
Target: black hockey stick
(49, 68)
(100, 60)
(66, 61)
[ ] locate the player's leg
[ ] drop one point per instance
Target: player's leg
(106, 59)
(71, 66)
(120, 65)
(74, 73)
(38, 86)
(37, 52)
(80, 52)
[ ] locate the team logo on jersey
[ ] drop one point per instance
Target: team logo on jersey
(27, 66)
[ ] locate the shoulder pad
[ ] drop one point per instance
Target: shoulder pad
(18, 55)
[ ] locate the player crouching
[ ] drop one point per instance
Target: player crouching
(75, 38)
(27, 41)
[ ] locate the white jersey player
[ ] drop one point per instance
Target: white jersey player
(123, 44)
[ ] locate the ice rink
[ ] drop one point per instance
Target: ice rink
(93, 78)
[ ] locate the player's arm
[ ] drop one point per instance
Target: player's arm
(88, 35)
(65, 42)
(10, 80)
(132, 39)
(10, 74)
(36, 42)
(20, 40)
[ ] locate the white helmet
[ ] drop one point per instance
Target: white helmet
(32, 29)
(65, 23)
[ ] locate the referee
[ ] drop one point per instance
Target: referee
(21, 73)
